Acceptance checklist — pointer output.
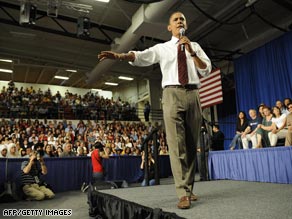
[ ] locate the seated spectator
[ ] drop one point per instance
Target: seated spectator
(108, 151)
(286, 102)
(279, 130)
(68, 151)
(117, 152)
(33, 187)
(260, 110)
(217, 140)
(249, 133)
(59, 151)
(280, 105)
(288, 140)
(3, 151)
(264, 128)
(22, 152)
(80, 152)
(12, 151)
(127, 151)
(241, 125)
(48, 151)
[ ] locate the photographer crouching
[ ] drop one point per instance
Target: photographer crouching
(33, 187)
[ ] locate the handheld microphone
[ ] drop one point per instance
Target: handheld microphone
(182, 33)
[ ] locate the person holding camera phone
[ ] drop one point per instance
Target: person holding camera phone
(96, 159)
(33, 187)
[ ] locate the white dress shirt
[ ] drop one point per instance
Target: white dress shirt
(166, 55)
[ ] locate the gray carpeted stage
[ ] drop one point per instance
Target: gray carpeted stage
(217, 199)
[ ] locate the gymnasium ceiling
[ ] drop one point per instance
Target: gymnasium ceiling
(225, 29)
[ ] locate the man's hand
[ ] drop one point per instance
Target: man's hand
(185, 40)
(108, 55)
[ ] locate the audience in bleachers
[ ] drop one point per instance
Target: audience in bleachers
(120, 138)
(28, 103)
(62, 139)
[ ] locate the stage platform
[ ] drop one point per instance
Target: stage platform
(217, 199)
(273, 164)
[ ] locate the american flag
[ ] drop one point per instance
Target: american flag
(211, 89)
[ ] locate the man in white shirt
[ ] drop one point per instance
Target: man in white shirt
(181, 104)
(288, 140)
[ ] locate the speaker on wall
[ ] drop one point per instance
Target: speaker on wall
(83, 27)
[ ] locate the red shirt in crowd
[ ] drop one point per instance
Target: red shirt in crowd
(96, 161)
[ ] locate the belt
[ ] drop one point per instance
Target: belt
(186, 87)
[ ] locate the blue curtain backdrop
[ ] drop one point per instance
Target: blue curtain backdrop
(228, 126)
(265, 74)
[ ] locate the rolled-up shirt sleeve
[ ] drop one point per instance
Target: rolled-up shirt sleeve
(202, 55)
(147, 57)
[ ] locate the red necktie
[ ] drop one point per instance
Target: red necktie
(182, 66)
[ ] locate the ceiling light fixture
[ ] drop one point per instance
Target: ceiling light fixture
(6, 70)
(61, 77)
(250, 3)
(126, 78)
(96, 90)
(6, 60)
(111, 84)
(104, 1)
(71, 70)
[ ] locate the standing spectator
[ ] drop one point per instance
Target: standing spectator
(146, 111)
(150, 163)
(96, 159)
(217, 140)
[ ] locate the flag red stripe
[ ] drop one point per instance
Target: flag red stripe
(205, 99)
(210, 75)
(213, 92)
(211, 89)
(203, 80)
(210, 86)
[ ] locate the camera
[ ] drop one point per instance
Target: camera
(39, 154)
